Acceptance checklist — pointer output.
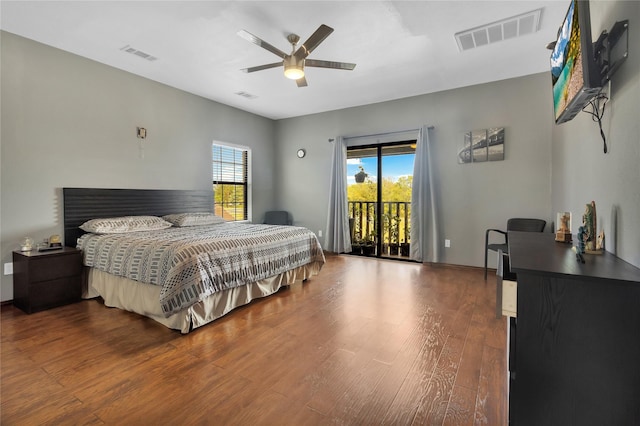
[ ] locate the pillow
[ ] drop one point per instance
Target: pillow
(193, 219)
(119, 225)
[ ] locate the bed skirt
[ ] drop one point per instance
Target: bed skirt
(144, 299)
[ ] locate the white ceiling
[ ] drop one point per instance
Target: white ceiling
(401, 48)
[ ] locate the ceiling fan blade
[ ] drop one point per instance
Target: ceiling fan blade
(255, 40)
(329, 64)
(301, 82)
(262, 67)
(312, 42)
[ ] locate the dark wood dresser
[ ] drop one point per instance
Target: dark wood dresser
(43, 280)
(574, 347)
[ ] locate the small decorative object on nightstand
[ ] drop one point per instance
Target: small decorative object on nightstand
(47, 279)
(26, 244)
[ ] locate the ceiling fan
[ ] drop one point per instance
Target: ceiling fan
(295, 62)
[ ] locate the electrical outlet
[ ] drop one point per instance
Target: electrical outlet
(447, 243)
(8, 268)
(320, 233)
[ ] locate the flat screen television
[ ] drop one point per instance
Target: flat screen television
(575, 73)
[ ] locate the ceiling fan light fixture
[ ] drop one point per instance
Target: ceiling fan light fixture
(293, 69)
(293, 72)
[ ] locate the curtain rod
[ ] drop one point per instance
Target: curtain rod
(381, 134)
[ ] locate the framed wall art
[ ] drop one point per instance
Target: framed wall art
(482, 145)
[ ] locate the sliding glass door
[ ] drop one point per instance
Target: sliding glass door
(379, 195)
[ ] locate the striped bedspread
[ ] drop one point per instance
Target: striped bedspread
(194, 262)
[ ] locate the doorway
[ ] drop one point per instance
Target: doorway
(379, 198)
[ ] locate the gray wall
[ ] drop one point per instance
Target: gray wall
(472, 197)
(71, 122)
(582, 172)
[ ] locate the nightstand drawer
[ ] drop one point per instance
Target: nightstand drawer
(54, 267)
(49, 294)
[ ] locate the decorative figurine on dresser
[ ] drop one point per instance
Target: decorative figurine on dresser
(563, 234)
(590, 237)
(581, 240)
(600, 241)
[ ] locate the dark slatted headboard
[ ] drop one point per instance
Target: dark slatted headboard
(82, 204)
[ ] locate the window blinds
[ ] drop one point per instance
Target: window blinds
(229, 165)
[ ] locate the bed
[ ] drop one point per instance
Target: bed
(182, 276)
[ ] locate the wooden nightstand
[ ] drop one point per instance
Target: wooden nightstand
(43, 280)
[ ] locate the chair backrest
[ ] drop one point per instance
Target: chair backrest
(277, 217)
(526, 225)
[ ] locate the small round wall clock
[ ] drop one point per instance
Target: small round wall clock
(301, 153)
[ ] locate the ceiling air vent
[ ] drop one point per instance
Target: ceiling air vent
(139, 53)
(246, 95)
(516, 26)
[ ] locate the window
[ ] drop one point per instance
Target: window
(230, 181)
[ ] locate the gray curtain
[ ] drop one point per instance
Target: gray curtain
(338, 237)
(425, 245)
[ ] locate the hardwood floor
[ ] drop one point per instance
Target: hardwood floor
(366, 342)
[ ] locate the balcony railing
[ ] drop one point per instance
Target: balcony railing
(394, 238)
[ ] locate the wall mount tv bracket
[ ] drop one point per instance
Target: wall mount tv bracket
(612, 49)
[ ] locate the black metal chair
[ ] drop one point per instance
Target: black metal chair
(514, 224)
(277, 217)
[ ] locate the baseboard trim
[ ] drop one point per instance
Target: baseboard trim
(430, 264)
(454, 266)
